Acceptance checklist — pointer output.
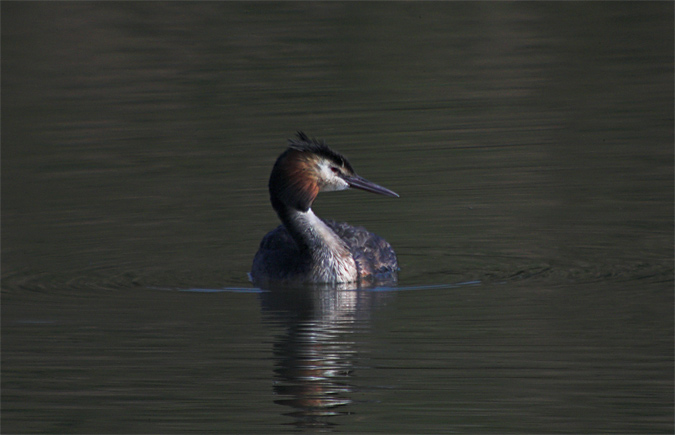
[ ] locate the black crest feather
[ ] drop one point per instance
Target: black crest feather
(304, 144)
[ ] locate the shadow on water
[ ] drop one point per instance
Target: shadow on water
(316, 351)
(315, 355)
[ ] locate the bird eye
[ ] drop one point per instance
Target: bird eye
(335, 170)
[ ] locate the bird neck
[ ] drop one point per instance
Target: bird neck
(329, 257)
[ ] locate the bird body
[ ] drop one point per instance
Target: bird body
(306, 248)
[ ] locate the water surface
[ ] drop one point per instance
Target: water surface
(531, 144)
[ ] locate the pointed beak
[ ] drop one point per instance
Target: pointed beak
(361, 183)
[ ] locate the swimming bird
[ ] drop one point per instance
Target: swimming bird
(306, 248)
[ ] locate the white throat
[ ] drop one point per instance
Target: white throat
(331, 259)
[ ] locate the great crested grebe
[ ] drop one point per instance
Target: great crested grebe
(306, 248)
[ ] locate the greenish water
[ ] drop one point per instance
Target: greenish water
(531, 144)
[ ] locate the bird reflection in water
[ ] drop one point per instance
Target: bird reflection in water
(317, 352)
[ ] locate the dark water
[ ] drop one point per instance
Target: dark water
(531, 144)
